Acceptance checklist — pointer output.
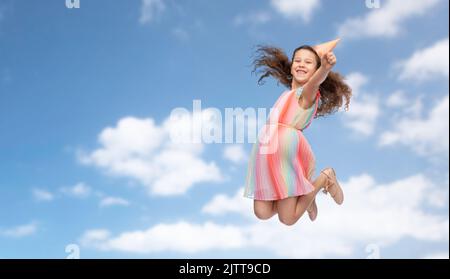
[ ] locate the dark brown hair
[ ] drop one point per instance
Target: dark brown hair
(272, 61)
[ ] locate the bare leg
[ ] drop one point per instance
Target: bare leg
(312, 210)
(291, 209)
(264, 209)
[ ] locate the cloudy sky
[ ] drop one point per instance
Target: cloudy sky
(89, 166)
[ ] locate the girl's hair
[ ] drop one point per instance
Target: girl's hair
(275, 63)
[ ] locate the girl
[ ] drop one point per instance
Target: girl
(280, 170)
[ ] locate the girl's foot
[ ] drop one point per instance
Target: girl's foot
(332, 186)
(312, 210)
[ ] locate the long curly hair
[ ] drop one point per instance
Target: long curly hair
(272, 61)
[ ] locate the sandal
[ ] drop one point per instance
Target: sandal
(332, 186)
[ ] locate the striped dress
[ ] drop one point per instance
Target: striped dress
(282, 163)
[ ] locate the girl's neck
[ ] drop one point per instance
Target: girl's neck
(295, 85)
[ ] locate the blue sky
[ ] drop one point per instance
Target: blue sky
(86, 157)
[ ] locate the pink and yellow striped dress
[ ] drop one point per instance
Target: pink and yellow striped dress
(282, 163)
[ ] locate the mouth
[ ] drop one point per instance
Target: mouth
(301, 72)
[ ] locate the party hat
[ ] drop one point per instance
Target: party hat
(324, 48)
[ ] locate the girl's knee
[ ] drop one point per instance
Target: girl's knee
(264, 210)
(288, 220)
(263, 213)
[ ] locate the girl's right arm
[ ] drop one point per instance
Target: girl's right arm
(311, 87)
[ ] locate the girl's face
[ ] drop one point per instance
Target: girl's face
(304, 65)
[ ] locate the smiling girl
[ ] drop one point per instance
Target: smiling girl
(280, 169)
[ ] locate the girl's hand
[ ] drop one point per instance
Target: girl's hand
(328, 60)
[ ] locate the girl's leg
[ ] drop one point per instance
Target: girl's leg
(264, 209)
(291, 209)
(312, 210)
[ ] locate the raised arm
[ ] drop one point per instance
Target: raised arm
(310, 88)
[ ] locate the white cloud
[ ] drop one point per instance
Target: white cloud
(414, 108)
(438, 197)
(404, 105)
(397, 99)
(363, 109)
(151, 9)
(428, 136)
(19, 231)
(222, 204)
(42, 195)
(356, 81)
(79, 190)
(160, 157)
(292, 9)
(253, 18)
(426, 64)
(385, 21)
(111, 201)
(94, 238)
(371, 214)
(179, 237)
(438, 255)
(235, 153)
(362, 115)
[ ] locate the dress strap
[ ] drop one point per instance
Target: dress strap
(299, 91)
(316, 105)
